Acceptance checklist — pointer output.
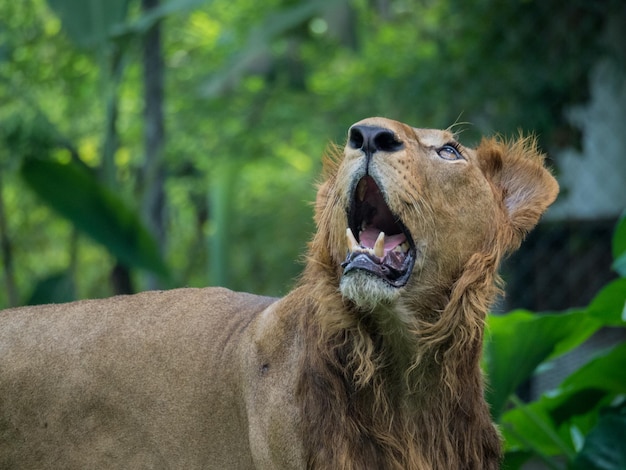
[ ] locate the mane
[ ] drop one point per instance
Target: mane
(397, 396)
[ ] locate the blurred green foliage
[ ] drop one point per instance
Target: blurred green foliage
(254, 92)
(582, 423)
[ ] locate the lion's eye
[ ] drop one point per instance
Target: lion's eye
(450, 152)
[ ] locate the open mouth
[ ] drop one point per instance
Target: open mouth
(378, 241)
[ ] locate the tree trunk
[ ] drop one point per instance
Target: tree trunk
(153, 172)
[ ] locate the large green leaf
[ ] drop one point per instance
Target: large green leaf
(76, 194)
(530, 428)
(609, 305)
(604, 372)
(89, 22)
(518, 342)
(545, 426)
(604, 447)
(591, 386)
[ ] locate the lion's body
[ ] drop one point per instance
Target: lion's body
(371, 362)
(155, 380)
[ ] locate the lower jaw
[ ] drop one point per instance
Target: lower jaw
(366, 290)
(395, 271)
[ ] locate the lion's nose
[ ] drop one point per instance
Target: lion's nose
(371, 139)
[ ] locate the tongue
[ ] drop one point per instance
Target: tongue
(367, 238)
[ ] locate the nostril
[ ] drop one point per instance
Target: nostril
(387, 142)
(356, 138)
(371, 139)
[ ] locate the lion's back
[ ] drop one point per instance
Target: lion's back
(130, 380)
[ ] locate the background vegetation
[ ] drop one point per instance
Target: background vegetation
(581, 424)
(190, 122)
(175, 143)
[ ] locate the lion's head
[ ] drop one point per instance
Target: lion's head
(404, 209)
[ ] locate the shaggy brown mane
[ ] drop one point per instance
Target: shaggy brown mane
(367, 404)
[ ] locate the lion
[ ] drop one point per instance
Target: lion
(370, 362)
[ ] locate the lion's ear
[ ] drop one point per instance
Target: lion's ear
(525, 186)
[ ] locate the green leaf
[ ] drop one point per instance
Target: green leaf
(563, 404)
(531, 428)
(76, 194)
(515, 459)
(605, 372)
(89, 22)
(518, 342)
(619, 241)
(619, 265)
(57, 288)
(545, 426)
(609, 305)
(604, 447)
(588, 389)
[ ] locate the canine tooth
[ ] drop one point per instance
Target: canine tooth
(402, 248)
(379, 246)
(352, 243)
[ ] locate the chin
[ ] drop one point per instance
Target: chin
(367, 291)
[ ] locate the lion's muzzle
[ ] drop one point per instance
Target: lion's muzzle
(378, 242)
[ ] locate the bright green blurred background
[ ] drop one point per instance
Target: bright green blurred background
(242, 98)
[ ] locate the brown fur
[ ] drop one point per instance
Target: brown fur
(207, 378)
